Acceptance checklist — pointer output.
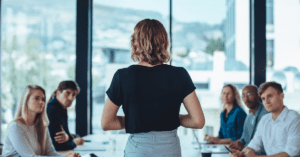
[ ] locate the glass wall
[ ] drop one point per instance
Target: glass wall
(283, 48)
(38, 48)
(211, 40)
(113, 24)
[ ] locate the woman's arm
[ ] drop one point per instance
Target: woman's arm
(195, 117)
(110, 120)
(224, 141)
(240, 120)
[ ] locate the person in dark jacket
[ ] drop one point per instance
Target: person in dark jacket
(60, 100)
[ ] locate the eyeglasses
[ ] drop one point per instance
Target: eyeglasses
(248, 94)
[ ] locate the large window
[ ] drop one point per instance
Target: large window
(211, 40)
(283, 49)
(38, 48)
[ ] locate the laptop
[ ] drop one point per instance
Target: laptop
(91, 146)
(90, 155)
(216, 149)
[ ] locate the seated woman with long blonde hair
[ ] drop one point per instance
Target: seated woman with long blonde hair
(232, 117)
(27, 134)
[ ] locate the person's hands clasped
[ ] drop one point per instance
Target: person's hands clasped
(236, 145)
(237, 153)
(62, 136)
(78, 141)
(73, 154)
(249, 152)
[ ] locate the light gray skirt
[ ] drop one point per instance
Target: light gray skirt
(154, 143)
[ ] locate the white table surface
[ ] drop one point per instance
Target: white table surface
(187, 148)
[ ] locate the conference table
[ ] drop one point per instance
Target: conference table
(113, 145)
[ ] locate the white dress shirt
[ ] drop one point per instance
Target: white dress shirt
(21, 140)
(279, 135)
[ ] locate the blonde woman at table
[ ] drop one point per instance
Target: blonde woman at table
(151, 94)
(232, 117)
(27, 134)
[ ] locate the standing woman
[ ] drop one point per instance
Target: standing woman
(27, 134)
(232, 117)
(151, 93)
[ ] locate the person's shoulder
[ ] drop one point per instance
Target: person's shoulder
(239, 110)
(52, 107)
(292, 114)
(266, 118)
(125, 69)
(263, 110)
(177, 68)
(15, 126)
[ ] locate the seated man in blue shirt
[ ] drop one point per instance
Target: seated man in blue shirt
(278, 131)
(60, 100)
(257, 111)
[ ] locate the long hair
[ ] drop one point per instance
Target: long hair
(63, 85)
(237, 98)
(41, 121)
(150, 42)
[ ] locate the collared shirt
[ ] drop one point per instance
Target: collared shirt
(251, 123)
(279, 135)
(58, 116)
(232, 125)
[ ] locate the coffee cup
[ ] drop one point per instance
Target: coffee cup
(206, 153)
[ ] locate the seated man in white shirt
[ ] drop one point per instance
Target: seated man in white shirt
(278, 131)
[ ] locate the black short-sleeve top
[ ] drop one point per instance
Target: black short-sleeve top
(150, 96)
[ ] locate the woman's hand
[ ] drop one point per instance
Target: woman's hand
(73, 154)
(212, 139)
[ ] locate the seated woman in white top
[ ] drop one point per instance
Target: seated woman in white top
(27, 134)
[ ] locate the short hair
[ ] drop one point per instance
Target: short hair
(266, 85)
(63, 85)
(150, 42)
(254, 87)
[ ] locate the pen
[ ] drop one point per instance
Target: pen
(228, 149)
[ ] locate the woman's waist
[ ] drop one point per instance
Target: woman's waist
(171, 133)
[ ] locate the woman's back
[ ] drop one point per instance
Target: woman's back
(151, 96)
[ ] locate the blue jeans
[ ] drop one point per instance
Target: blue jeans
(154, 143)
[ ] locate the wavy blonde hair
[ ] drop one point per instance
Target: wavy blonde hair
(150, 42)
(237, 98)
(41, 121)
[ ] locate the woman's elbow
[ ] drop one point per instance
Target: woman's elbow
(201, 123)
(104, 125)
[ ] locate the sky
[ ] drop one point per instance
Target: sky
(209, 11)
